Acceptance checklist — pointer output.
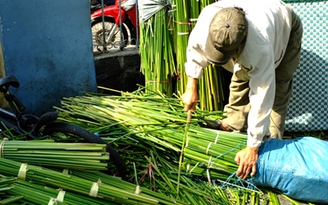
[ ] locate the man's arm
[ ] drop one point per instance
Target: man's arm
(196, 60)
(262, 85)
(262, 94)
(190, 97)
(246, 159)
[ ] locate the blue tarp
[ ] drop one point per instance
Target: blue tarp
(297, 167)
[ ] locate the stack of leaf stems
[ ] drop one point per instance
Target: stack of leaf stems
(199, 193)
(157, 60)
(108, 192)
(38, 194)
(164, 54)
(161, 120)
(181, 34)
(165, 136)
(86, 156)
(5, 187)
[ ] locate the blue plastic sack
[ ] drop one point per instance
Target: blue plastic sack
(297, 167)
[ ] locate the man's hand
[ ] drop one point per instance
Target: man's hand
(190, 97)
(246, 159)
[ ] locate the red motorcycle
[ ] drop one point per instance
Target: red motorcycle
(119, 27)
(98, 4)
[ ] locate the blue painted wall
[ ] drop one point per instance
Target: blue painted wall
(47, 45)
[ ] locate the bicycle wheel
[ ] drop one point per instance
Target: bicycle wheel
(75, 132)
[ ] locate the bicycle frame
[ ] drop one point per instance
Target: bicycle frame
(8, 121)
(15, 119)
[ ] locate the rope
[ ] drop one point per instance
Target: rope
(2, 146)
(94, 189)
(61, 195)
(22, 171)
(235, 181)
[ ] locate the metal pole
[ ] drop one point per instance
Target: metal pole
(103, 26)
(120, 10)
(137, 25)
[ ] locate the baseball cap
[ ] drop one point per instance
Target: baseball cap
(227, 30)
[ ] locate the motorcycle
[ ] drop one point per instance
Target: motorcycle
(97, 4)
(119, 27)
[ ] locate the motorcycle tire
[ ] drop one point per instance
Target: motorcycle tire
(75, 131)
(98, 33)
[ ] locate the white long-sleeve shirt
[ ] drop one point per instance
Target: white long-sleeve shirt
(269, 25)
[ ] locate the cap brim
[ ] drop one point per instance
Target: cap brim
(215, 56)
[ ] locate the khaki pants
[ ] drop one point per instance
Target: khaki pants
(238, 106)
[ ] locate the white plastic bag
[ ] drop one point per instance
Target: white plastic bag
(128, 4)
(147, 8)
